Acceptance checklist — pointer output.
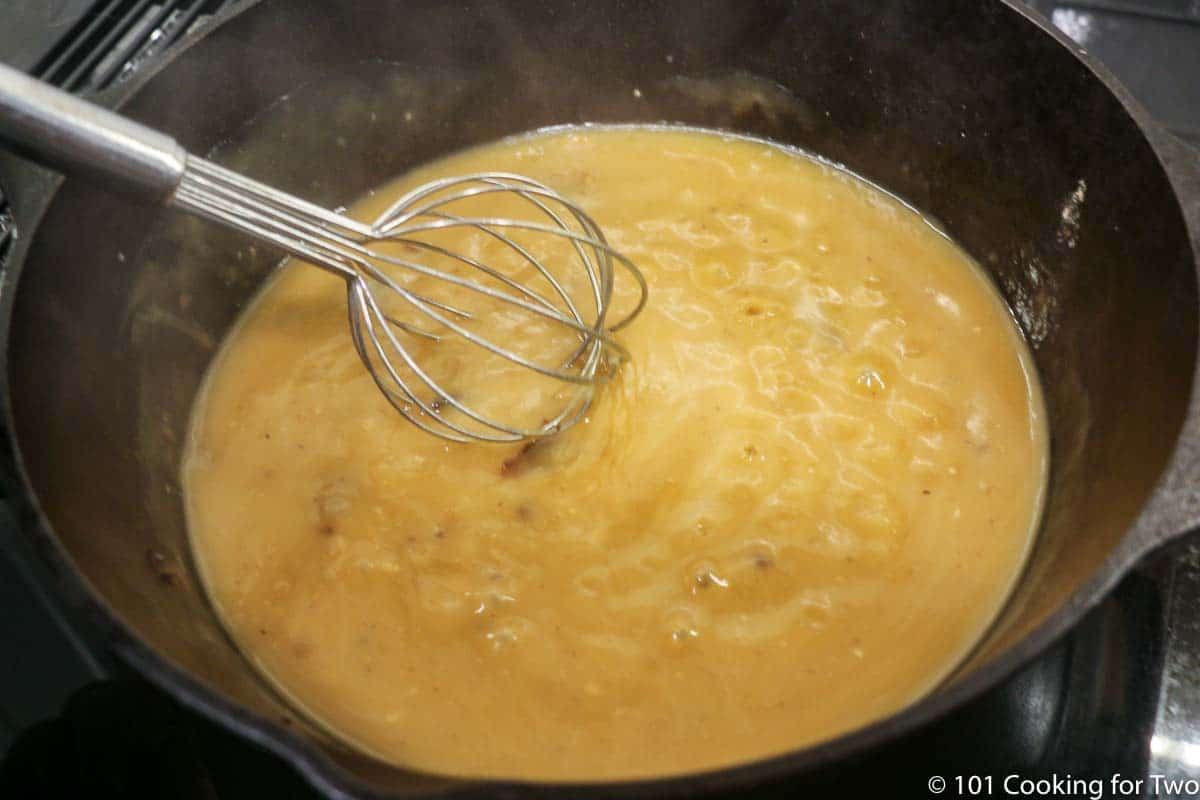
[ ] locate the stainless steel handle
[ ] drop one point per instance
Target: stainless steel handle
(60, 131)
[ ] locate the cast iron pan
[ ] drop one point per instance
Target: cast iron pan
(1031, 156)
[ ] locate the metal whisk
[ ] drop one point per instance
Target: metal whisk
(557, 270)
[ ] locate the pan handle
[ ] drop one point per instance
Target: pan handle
(60, 131)
(1174, 508)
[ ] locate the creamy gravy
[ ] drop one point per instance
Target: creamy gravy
(792, 514)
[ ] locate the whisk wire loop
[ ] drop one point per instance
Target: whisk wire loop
(352, 250)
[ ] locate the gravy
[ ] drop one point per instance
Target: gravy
(793, 513)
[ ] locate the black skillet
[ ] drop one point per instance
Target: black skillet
(1030, 155)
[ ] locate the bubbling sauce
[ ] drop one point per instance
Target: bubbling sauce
(793, 513)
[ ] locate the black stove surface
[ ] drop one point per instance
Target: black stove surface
(1112, 710)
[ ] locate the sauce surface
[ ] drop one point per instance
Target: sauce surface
(793, 513)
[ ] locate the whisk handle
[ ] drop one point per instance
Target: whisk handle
(63, 132)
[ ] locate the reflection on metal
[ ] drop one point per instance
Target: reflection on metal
(1076, 24)
(110, 41)
(1168, 10)
(1175, 745)
(1152, 46)
(1068, 231)
(1186, 754)
(7, 233)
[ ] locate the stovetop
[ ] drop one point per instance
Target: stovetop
(1119, 696)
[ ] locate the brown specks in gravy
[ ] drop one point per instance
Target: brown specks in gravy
(529, 454)
(513, 465)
